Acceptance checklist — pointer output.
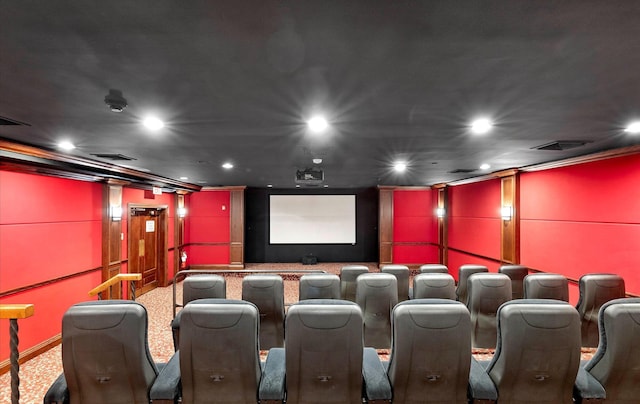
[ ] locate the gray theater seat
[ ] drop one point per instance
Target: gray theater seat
(433, 269)
(546, 286)
(267, 293)
(348, 276)
(325, 357)
(517, 274)
(431, 358)
(105, 355)
(402, 273)
(464, 272)
(319, 286)
(487, 291)
(596, 290)
(434, 285)
(377, 294)
(616, 363)
(538, 352)
(194, 287)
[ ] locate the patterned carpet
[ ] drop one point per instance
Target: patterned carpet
(37, 374)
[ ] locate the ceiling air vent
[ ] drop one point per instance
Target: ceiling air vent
(562, 145)
(113, 156)
(462, 171)
(10, 122)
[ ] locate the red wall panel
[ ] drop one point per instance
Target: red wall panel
(209, 229)
(208, 254)
(479, 199)
(208, 222)
(414, 222)
(475, 235)
(458, 258)
(415, 254)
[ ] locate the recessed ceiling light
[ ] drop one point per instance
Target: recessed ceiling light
(326, 186)
(269, 185)
(297, 186)
(400, 166)
(481, 126)
(485, 166)
(153, 123)
(317, 161)
(317, 124)
(184, 178)
(66, 145)
(633, 127)
(227, 166)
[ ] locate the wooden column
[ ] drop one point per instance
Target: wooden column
(442, 203)
(178, 233)
(510, 230)
(112, 233)
(385, 225)
(236, 242)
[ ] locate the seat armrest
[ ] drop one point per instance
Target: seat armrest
(272, 383)
(376, 383)
(58, 393)
(587, 388)
(481, 387)
(166, 387)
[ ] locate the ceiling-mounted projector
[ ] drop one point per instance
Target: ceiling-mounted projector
(309, 176)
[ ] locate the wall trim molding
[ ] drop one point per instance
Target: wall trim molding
(32, 352)
(49, 282)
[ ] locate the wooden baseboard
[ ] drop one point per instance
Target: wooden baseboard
(217, 266)
(32, 352)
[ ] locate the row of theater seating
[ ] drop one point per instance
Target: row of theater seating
(378, 293)
(537, 359)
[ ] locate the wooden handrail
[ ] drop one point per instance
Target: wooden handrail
(13, 312)
(110, 282)
(9, 311)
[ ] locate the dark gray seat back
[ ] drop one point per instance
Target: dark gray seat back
(267, 293)
(219, 352)
(546, 286)
(324, 352)
(430, 351)
(348, 276)
(433, 269)
(105, 353)
(464, 272)
(377, 294)
(319, 286)
(596, 290)
(538, 352)
(487, 291)
(434, 286)
(402, 274)
(616, 363)
(516, 273)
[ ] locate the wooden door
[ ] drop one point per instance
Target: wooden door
(145, 235)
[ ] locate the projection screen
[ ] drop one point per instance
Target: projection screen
(312, 219)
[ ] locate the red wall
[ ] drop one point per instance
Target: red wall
(49, 228)
(207, 228)
(414, 225)
(474, 224)
(583, 218)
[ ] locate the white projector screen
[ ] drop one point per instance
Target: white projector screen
(312, 219)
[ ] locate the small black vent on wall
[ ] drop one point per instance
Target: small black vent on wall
(562, 145)
(113, 156)
(10, 122)
(462, 171)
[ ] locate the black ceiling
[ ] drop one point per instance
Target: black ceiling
(398, 80)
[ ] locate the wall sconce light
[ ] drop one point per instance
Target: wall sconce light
(182, 212)
(440, 212)
(116, 213)
(506, 212)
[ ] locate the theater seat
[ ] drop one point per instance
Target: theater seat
(402, 273)
(596, 290)
(319, 286)
(487, 291)
(105, 355)
(434, 285)
(517, 274)
(464, 272)
(538, 352)
(325, 357)
(430, 359)
(267, 293)
(377, 294)
(348, 276)
(194, 287)
(433, 269)
(616, 363)
(546, 286)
